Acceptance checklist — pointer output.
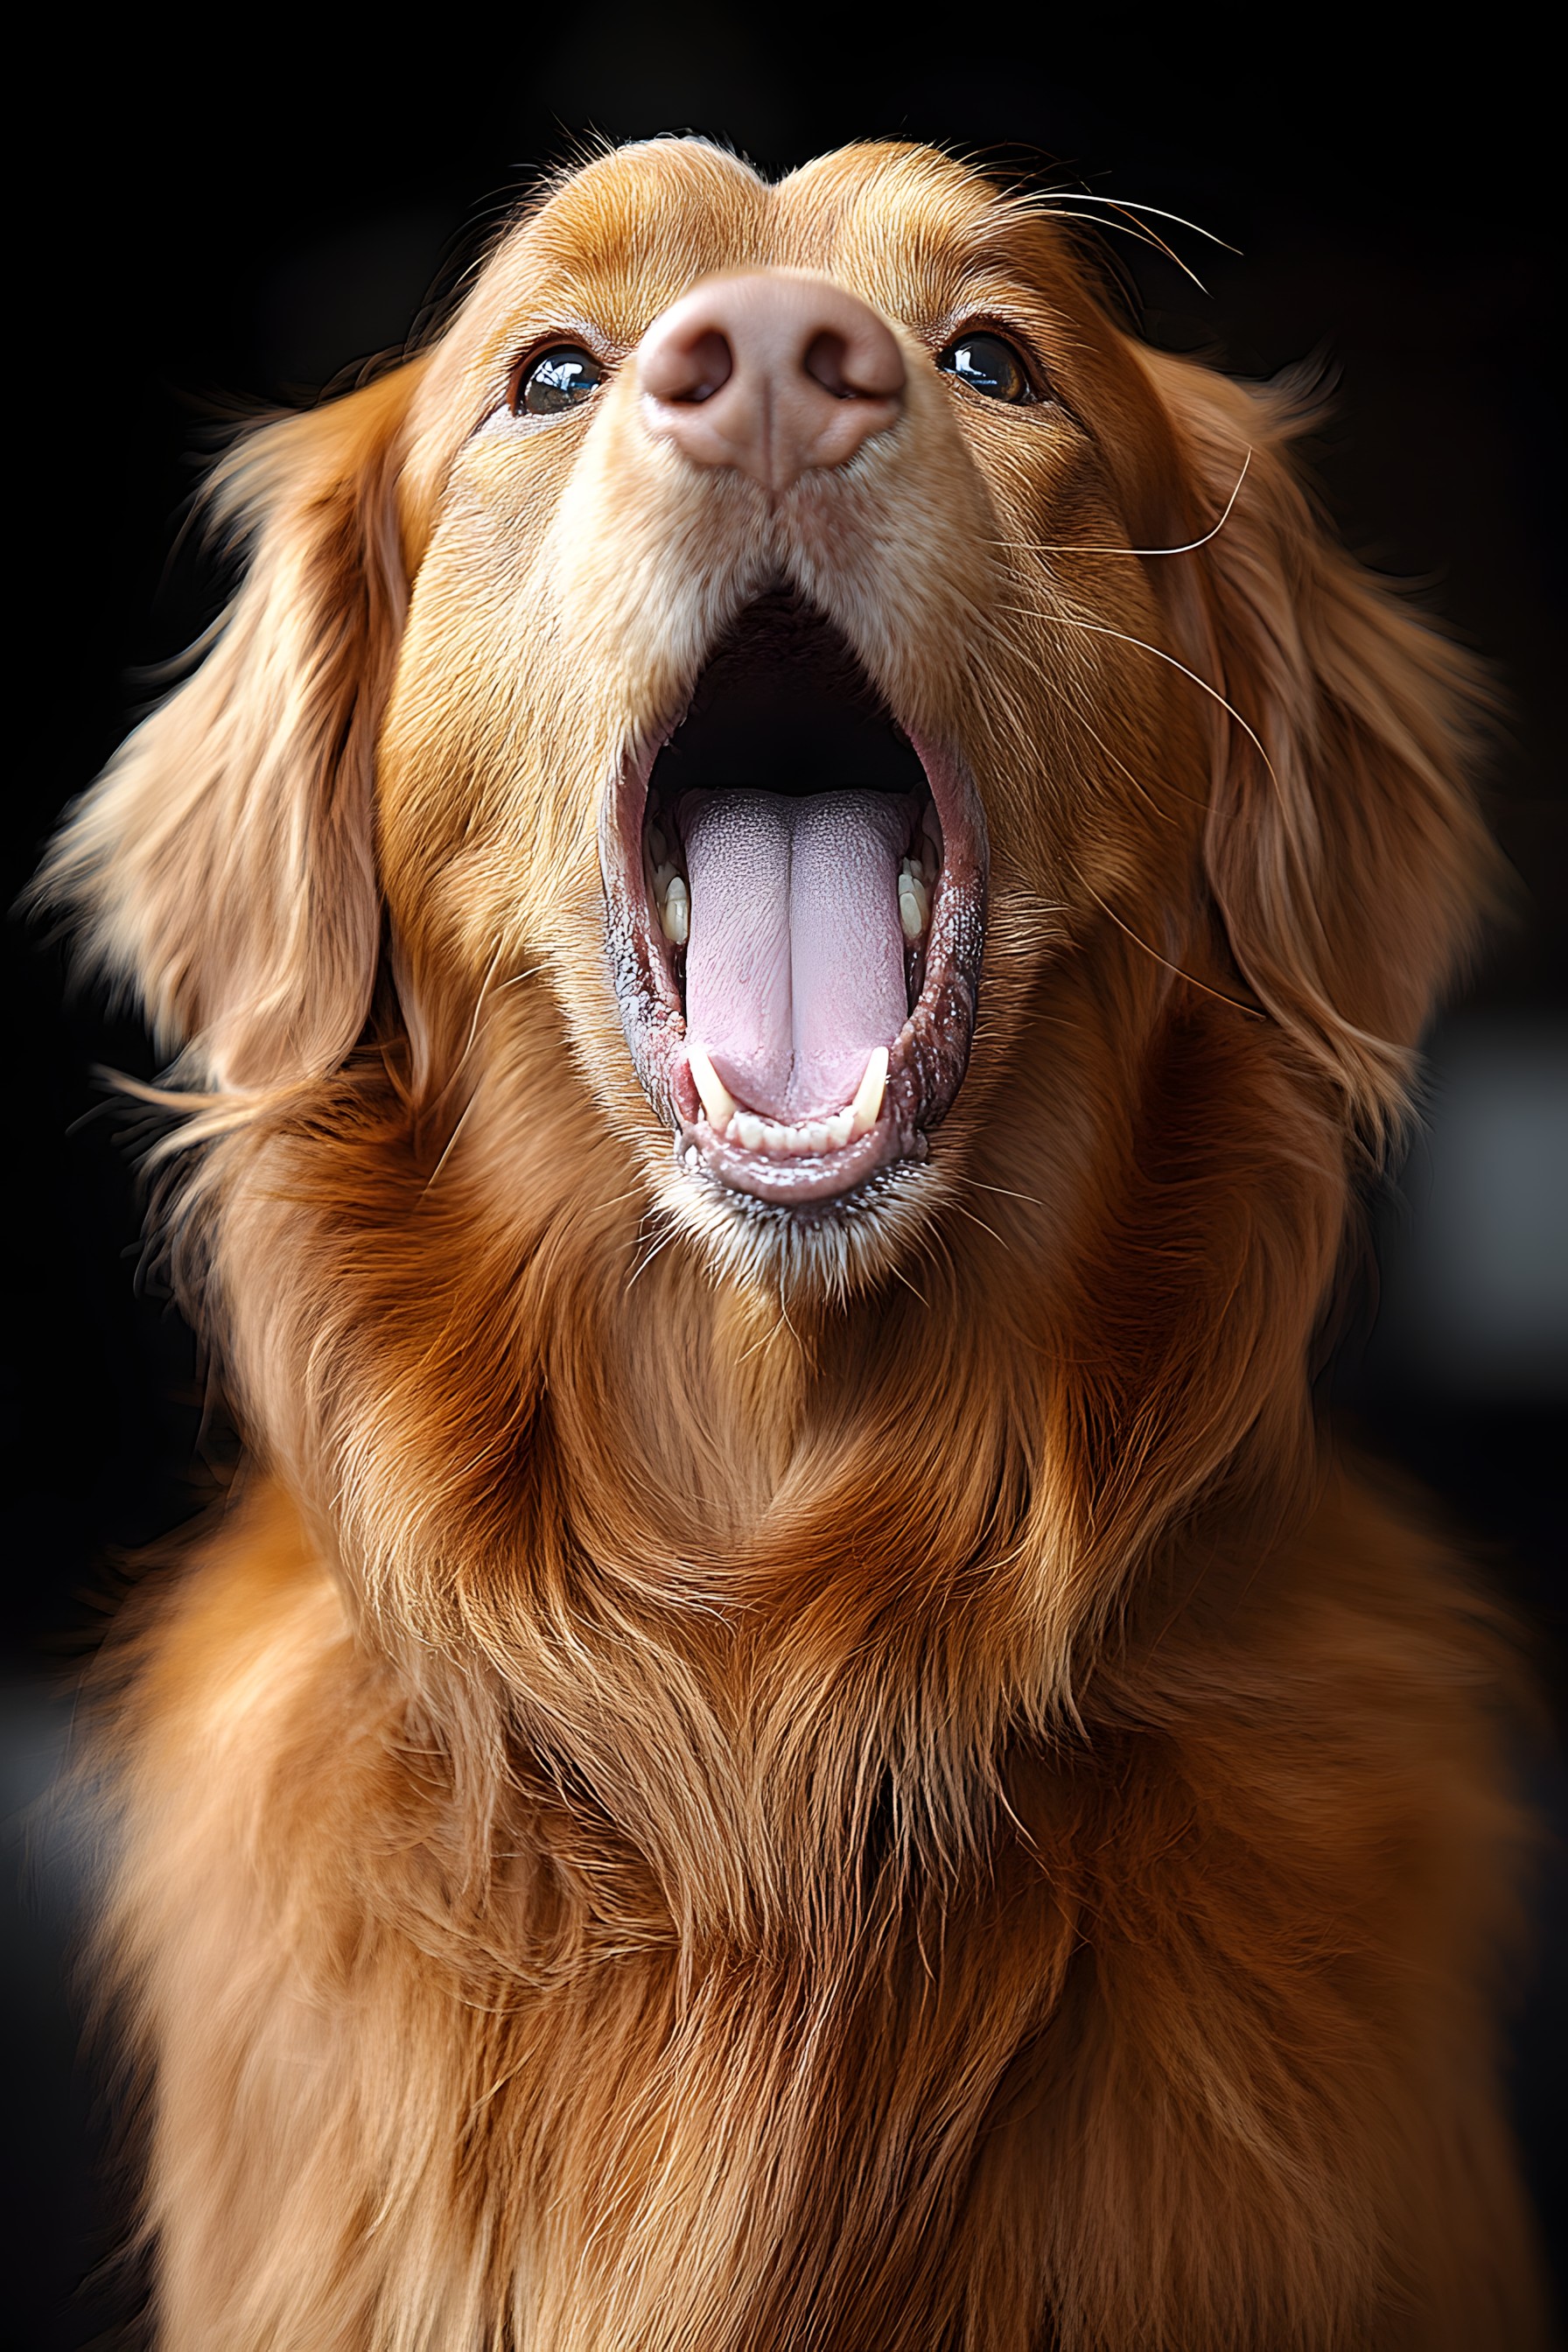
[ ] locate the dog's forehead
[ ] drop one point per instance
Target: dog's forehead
(908, 223)
(626, 234)
(639, 223)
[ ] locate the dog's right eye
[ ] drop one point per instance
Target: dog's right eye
(558, 379)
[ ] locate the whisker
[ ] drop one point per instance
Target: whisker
(642, 1269)
(1136, 781)
(1128, 205)
(1156, 244)
(984, 1228)
(1101, 629)
(479, 1005)
(1149, 236)
(1253, 1012)
(451, 1139)
(764, 1340)
(1067, 547)
(461, 1062)
(900, 1275)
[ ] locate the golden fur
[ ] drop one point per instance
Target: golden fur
(715, 1790)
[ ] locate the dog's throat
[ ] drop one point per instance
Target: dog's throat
(796, 967)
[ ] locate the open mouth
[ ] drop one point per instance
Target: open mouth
(796, 904)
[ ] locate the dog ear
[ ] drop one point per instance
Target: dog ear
(221, 870)
(1344, 850)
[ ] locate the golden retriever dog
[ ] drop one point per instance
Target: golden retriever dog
(793, 905)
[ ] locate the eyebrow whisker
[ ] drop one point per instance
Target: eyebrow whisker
(1128, 205)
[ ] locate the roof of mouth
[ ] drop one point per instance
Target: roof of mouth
(784, 706)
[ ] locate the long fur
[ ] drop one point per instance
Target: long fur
(714, 1791)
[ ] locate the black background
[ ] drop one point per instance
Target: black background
(232, 218)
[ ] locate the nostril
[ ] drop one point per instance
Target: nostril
(687, 368)
(826, 357)
(857, 362)
(711, 364)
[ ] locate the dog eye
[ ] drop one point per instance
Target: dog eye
(988, 364)
(559, 379)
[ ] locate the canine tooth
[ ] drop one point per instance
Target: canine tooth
(868, 1094)
(716, 1100)
(750, 1128)
(839, 1127)
(675, 913)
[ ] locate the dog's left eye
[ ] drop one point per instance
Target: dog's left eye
(559, 379)
(989, 364)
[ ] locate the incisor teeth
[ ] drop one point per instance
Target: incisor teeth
(868, 1094)
(783, 1139)
(716, 1100)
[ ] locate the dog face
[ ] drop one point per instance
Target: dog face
(789, 644)
(799, 688)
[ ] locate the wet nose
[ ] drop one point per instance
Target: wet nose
(770, 373)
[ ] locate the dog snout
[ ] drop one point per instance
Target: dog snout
(771, 373)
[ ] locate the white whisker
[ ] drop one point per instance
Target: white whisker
(1092, 547)
(642, 1269)
(1007, 1191)
(1253, 1012)
(1102, 629)
(451, 1141)
(1126, 205)
(984, 1228)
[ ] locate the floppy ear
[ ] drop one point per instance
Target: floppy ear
(1344, 850)
(223, 868)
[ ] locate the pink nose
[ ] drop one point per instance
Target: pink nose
(770, 374)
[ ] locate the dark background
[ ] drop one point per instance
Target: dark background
(206, 234)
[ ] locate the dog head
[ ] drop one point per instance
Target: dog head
(785, 683)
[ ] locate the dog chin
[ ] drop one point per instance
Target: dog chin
(822, 1252)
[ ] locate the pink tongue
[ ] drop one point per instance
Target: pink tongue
(794, 968)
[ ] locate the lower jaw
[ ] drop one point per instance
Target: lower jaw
(813, 1183)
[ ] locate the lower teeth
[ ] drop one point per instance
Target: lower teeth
(755, 1133)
